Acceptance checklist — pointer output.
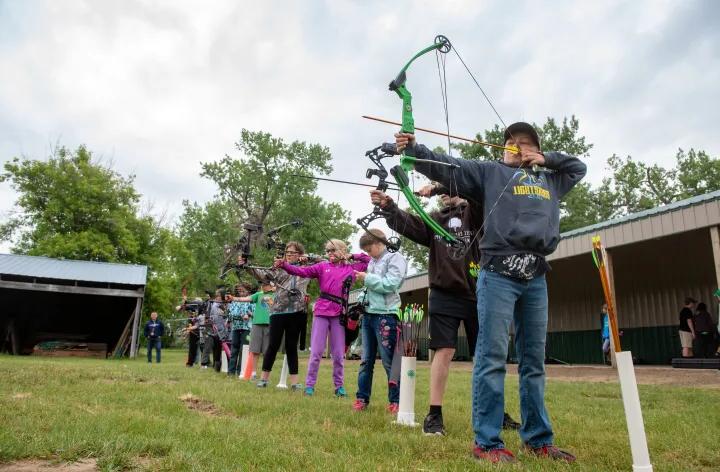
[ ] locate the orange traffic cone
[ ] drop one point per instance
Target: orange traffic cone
(249, 367)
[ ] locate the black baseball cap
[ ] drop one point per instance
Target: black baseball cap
(524, 128)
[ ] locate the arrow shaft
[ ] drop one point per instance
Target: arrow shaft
(439, 133)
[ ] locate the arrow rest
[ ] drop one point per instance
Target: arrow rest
(458, 249)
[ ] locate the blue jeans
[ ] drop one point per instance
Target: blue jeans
(379, 332)
(154, 343)
(502, 300)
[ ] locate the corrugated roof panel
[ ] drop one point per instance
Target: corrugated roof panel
(701, 217)
(65, 269)
(688, 202)
(689, 218)
(667, 225)
(646, 229)
(656, 226)
(678, 221)
(714, 213)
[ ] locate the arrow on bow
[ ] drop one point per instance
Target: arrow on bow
(512, 149)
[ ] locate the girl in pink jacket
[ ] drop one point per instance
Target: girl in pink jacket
(335, 276)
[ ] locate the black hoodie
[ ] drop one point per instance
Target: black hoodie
(452, 285)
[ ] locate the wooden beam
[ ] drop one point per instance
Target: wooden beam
(122, 341)
(715, 240)
(106, 292)
(136, 327)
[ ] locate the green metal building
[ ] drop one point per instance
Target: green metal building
(656, 258)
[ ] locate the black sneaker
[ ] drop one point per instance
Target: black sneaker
(433, 424)
(509, 423)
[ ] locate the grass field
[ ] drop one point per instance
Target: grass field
(129, 415)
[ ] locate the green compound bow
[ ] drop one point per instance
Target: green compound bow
(457, 246)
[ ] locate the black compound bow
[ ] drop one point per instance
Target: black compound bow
(243, 247)
(273, 240)
(376, 156)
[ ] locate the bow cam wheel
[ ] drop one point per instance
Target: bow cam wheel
(445, 44)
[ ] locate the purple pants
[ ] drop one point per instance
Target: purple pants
(322, 327)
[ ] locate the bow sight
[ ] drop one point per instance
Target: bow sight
(376, 156)
(273, 240)
(243, 246)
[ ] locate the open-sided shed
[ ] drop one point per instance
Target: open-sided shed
(44, 299)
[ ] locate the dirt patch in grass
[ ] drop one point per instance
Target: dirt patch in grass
(195, 403)
(644, 374)
(21, 396)
(86, 465)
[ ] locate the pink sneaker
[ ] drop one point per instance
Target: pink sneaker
(392, 408)
(359, 405)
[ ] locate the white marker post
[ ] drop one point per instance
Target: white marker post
(406, 408)
(626, 371)
(244, 363)
(283, 374)
(224, 362)
(633, 412)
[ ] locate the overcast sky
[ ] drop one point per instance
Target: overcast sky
(160, 86)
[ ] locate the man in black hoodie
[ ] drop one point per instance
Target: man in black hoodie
(452, 286)
(521, 214)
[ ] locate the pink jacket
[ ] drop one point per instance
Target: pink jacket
(331, 277)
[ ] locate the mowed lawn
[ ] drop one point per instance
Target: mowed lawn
(131, 415)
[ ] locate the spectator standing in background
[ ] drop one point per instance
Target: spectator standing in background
(687, 327)
(605, 333)
(154, 329)
(704, 331)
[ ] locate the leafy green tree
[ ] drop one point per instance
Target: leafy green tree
(72, 206)
(263, 178)
(204, 231)
(697, 173)
(260, 187)
(636, 186)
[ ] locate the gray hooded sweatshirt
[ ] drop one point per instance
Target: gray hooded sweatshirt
(527, 216)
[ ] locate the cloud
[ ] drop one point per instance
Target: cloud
(162, 86)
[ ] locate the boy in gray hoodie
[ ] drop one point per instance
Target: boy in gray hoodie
(521, 213)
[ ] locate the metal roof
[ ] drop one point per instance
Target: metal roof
(65, 269)
(688, 202)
